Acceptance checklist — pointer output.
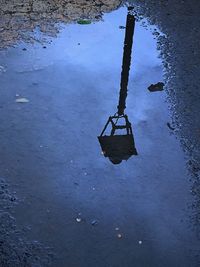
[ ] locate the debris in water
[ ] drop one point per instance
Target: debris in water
(24, 49)
(94, 222)
(140, 242)
(156, 87)
(170, 127)
(117, 229)
(22, 100)
(84, 21)
(122, 27)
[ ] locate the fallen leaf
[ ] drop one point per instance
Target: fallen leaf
(156, 87)
(84, 21)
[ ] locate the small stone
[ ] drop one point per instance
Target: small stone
(2, 69)
(12, 199)
(170, 127)
(119, 236)
(94, 222)
(78, 220)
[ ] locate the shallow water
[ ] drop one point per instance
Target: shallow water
(51, 157)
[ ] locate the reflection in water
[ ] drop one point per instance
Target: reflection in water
(121, 147)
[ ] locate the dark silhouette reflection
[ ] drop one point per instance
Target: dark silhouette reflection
(119, 147)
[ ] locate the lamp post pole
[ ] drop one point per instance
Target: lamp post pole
(128, 43)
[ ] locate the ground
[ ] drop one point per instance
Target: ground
(63, 203)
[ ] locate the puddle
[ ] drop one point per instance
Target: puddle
(50, 149)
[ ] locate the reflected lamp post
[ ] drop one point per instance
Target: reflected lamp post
(118, 147)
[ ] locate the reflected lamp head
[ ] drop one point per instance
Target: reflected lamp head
(117, 147)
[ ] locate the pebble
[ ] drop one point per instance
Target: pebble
(94, 222)
(78, 220)
(119, 236)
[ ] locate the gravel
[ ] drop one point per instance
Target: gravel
(180, 52)
(19, 19)
(15, 249)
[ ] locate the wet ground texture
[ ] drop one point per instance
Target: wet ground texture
(62, 202)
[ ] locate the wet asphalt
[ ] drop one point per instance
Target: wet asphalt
(71, 198)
